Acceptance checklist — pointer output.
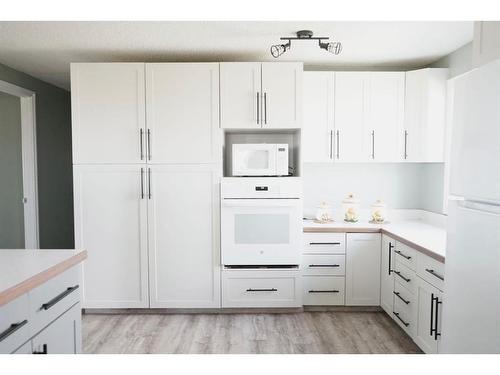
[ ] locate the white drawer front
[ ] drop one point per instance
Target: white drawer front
(323, 290)
(261, 288)
(323, 265)
(324, 243)
(405, 255)
(405, 276)
(15, 324)
(431, 271)
(404, 296)
(404, 316)
(54, 297)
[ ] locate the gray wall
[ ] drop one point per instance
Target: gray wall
(55, 179)
(11, 168)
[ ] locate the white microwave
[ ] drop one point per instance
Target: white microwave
(260, 159)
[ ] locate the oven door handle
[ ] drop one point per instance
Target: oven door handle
(292, 202)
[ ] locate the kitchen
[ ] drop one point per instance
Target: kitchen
(280, 204)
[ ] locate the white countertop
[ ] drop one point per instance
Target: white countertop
(419, 234)
(23, 270)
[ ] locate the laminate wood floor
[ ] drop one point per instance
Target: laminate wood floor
(304, 332)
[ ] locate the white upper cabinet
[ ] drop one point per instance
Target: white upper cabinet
(108, 113)
(261, 95)
(317, 126)
(111, 224)
(425, 115)
(350, 102)
(240, 95)
(486, 42)
(182, 106)
(385, 115)
(184, 249)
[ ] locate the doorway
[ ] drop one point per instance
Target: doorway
(18, 176)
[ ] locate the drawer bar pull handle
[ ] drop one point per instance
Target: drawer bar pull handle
(13, 328)
(58, 298)
(401, 320)
(404, 256)
(324, 265)
(262, 290)
(324, 291)
(404, 278)
(401, 298)
(433, 273)
(324, 243)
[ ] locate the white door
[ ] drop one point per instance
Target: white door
(430, 304)
(317, 124)
(240, 95)
(386, 275)
(385, 117)
(62, 336)
(184, 245)
(351, 143)
(182, 105)
(281, 95)
(363, 269)
(414, 106)
(111, 224)
(476, 135)
(108, 113)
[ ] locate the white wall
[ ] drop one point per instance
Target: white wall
(400, 185)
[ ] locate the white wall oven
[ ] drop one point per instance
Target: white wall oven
(261, 221)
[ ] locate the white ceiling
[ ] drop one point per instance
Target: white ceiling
(45, 49)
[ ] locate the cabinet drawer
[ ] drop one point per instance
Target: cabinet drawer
(324, 243)
(54, 297)
(261, 288)
(323, 265)
(405, 277)
(431, 271)
(15, 324)
(404, 296)
(406, 255)
(404, 316)
(323, 290)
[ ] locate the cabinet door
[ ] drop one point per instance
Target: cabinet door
(429, 303)
(317, 126)
(183, 113)
(363, 269)
(184, 236)
(351, 143)
(240, 95)
(111, 224)
(385, 115)
(281, 95)
(414, 104)
(62, 336)
(108, 113)
(386, 275)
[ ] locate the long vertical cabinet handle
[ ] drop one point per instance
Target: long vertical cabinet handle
(142, 183)
(406, 144)
(373, 144)
(149, 184)
(149, 144)
(432, 314)
(331, 144)
(391, 246)
(265, 108)
(338, 144)
(141, 136)
(258, 107)
(436, 319)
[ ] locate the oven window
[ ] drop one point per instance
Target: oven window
(261, 229)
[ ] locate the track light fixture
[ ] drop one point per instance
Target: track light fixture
(279, 49)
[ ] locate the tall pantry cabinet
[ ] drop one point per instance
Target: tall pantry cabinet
(146, 171)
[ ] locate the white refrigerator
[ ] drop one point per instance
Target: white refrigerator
(471, 307)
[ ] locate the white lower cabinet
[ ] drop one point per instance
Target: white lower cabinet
(363, 269)
(184, 257)
(24, 349)
(387, 275)
(261, 288)
(323, 290)
(430, 304)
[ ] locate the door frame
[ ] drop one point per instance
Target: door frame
(29, 161)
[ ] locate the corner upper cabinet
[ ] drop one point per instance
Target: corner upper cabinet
(261, 95)
(108, 113)
(425, 115)
(317, 136)
(182, 112)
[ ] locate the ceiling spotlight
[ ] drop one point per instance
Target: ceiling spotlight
(332, 47)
